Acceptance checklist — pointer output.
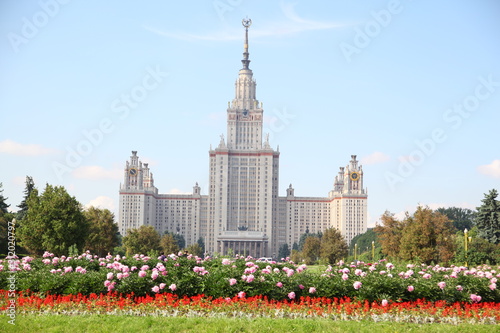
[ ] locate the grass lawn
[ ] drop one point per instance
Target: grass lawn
(110, 323)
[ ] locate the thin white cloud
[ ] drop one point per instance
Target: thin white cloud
(177, 191)
(95, 172)
(19, 149)
(375, 158)
(292, 24)
(491, 170)
(102, 202)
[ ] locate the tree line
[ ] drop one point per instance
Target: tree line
(427, 236)
(56, 222)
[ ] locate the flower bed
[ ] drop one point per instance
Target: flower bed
(190, 276)
(167, 304)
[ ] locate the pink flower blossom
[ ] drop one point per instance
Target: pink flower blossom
(172, 287)
(411, 288)
(493, 286)
(110, 276)
(154, 274)
(291, 295)
(475, 298)
(107, 283)
(226, 261)
(163, 285)
(119, 276)
(155, 289)
(312, 290)
(142, 273)
(357, 285)
(345, 277)
(384, 302)
(459, 288)
(427, 276)
(279, 285)
(442, 285)
(232, 282)
(242, 294)
(301, 286)
(250, 278)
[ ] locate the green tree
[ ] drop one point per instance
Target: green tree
(3, 204)
(365, 240)
(23, 206)
(168, 244)
(54, 222)
(181, 241)
(283, 251)
(195, 249)
(5, 218)
(462, 218)
(303, 237)
(389, 234)
(488, 218)
(142, 240)
(103, 231)
(427, 236)
(333, 246)
(201, 243)
(310, 251)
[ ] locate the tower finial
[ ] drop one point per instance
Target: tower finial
(246, 22)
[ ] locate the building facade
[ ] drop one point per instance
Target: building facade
(243, 212)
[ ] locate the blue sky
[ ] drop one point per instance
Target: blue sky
(410, 87)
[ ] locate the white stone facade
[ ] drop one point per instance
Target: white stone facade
(243, 212)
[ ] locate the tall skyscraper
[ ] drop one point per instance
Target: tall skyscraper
(243, 212)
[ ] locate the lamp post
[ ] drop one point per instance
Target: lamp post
(373, 250)
(466, 247)
(355, 251)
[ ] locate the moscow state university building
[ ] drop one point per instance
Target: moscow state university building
(243, 212)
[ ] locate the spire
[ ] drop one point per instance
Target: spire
(246, 23)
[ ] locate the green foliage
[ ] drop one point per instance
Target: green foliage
(365, 240)
(168, 244)
(5, 220)
(195, 249)
(303, 237)
(141, 240)
(283, 251)
(462, 218)
(488, 218)
(201, 243)
(333, 246)
(310, 250)
(3, 204)
(54, 222)
(23, 206)
(103, 231)
(426, 235)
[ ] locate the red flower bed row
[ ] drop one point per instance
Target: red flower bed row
(305, 307)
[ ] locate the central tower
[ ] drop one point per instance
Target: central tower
(244, 114)
(244, 176)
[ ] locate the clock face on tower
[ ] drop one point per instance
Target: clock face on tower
(132, 171)
(354, 176)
